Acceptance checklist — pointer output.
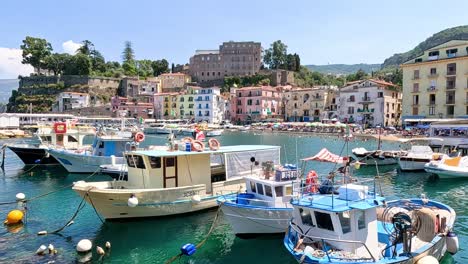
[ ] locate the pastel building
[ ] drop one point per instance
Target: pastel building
(250, 104)
(70, 100)
(310, 104)
(209, 105)
(370, 103)
(435, 83)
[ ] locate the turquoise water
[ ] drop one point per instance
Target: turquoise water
(156, 240)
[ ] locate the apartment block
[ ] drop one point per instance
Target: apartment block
(310, 104)
(251, 104)
(435, 84)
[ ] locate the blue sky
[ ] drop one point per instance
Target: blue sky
(360, 31)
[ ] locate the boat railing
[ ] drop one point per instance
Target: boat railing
(323, 241)
(302, 189)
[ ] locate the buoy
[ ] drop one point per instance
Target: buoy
(100, 251)
(41, 233)
(196, 199)
(108, 245)
(452, 242)
(428, 260)
(51, 249)
(14, 217)
(84, 245)
(41, 250)
(188, 249)
(132, 201)
(357, 165)
(20, 196)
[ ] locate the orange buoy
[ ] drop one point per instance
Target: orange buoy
(14, 217)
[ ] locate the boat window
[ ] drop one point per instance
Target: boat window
(155, 162)
(268, 191)
(71, 139)
(135, 162)
(259, 188)
(361, 219)
(46, 138)
(323, 220)
(279, 191)
(306, 217)
(288, 190)
(252, 186)
(101, 144)
(170, 162)
(345, 221)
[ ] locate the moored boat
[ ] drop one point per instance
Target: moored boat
(163, 182)
(214, 132)
(418, 155)
(350, 223)
(449, 167)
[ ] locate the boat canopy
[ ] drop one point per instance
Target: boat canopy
(326, 156)
(221, 150)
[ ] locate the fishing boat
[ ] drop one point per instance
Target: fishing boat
(214, 132)
(449, 167)
(106, 149)
(59, 135)
(418, 154)
(169, 182)
(264, 208)
(376, 157)
(351, 223)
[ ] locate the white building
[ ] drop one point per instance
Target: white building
(209, 105)
(71, 100)
(370, 103)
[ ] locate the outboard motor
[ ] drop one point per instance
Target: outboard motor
(403, 228)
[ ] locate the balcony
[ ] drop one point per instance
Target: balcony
(255, 112)
(450, 102)
(451, 55)
(416, 77)
(431, 58)
(415, 90)
(451, 73)
(317, 97)
(359, 110)
(350, 100)
(450, 87)
(432, 89)
(432, 75)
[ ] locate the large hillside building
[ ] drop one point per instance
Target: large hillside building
(435, 84)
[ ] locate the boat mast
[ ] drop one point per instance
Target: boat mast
(379, 142)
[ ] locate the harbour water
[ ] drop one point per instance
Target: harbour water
(156, 240)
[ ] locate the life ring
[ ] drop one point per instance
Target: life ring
(198, 146)
(60, 128)
(139, 137)
(312, 182)
(214, 144)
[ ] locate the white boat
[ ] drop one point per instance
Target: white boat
(418, 155)
(59, 135)
(106, 149)
(263, 209)
(449, 167)
(376, 157)
(214, 133)
(352, 224)
(162, 182)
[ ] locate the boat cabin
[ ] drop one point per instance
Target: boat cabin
(64, 134)
(151, 169)
(112, 145)
(343, 222)
(269, 193)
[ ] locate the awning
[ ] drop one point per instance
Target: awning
(326, 156)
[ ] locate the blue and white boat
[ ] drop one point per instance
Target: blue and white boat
(352, 224)
(263, 209)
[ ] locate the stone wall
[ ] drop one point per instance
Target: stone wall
(69, 80)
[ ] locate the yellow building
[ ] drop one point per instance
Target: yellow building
(310, 104)
(435, 84)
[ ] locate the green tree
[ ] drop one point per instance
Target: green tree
(128, 57)
(98, 62)
(172, 67)
(276, 55)
(79, 64)
(160, 67)
(359, 75)
(56, 62)
(144, 68)
(86, 48)
(35, 50)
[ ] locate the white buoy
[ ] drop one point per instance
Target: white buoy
(108, 245)
(40, 233)
(132, 201)
(452, 243)
(84, 245)
(428, 260)
(112, 160)
(20, 196)
(196, 199)
(100, 251)
(51, 249)
(41, 250)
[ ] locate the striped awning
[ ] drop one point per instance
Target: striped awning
(326, 156)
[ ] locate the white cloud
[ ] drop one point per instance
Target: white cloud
(70, 47)
(10, 64)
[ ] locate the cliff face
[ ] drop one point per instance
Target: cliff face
(455, 33)
(41, 91)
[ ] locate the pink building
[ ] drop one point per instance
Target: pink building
(252, 104)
